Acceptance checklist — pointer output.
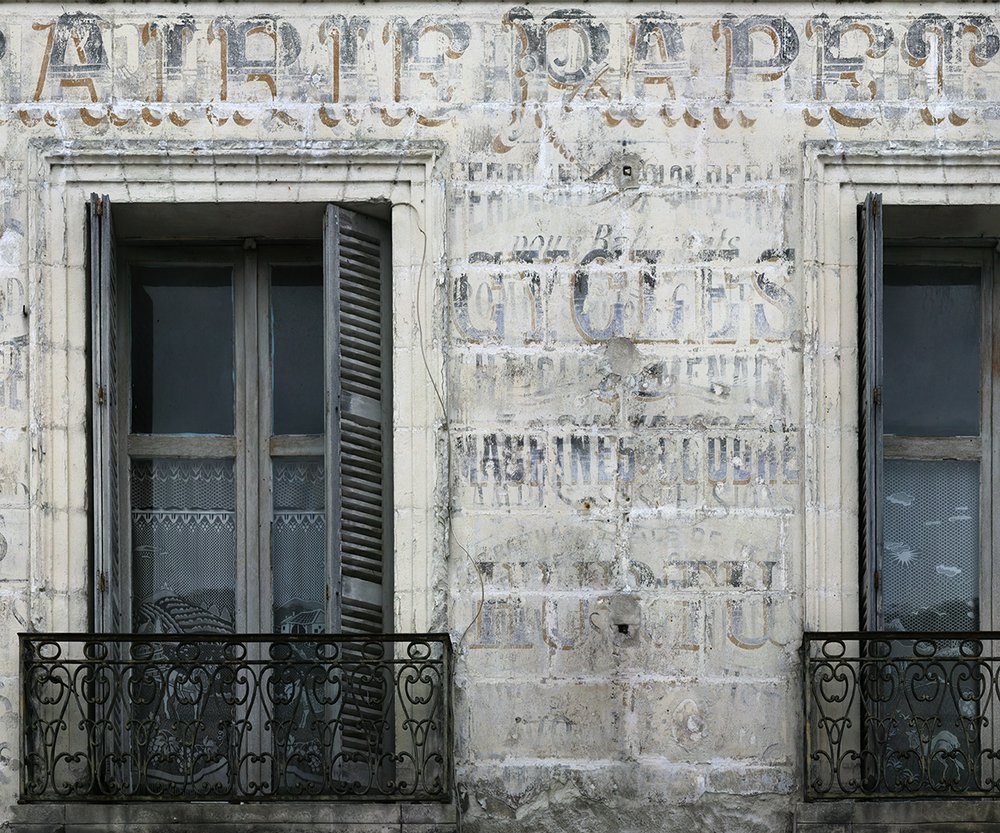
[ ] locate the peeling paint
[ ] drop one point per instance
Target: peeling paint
(613, 248)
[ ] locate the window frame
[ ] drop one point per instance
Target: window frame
(179, 445)
(253, 446)
(405, 176)
(983, 448)
(837, 177)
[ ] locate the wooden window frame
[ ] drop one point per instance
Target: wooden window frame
(252, 446)
(984, 448)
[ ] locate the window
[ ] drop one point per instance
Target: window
(893, 712)
(927, 401)
(928, 348)
(240, 422)
(180, 194)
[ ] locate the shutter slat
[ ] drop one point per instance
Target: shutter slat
(355, 383)
(366, 568)
(355, 537)
(359, 262)
(356, 519)
(366, 492)
(365, 281)
(362, 435)
(367, 565)
(362, 293)
(358, 455)
(363, 333)
(358, 253)
(364, 317)
(362, 361)
(360, 351)
(361, 266)
(359, 341)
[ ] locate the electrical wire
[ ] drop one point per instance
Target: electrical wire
(452, 537)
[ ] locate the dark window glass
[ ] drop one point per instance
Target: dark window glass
(297, 349)
(931, 351)
(182, 349)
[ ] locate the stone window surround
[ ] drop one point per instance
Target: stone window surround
(61, 177)
(838, 175)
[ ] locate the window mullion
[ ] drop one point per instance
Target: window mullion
(250, 568)
(263, 479)
(123, 457)
(989, 467)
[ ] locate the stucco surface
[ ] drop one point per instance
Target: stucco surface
(621, 304)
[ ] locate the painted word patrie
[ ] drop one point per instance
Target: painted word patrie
(118, 69)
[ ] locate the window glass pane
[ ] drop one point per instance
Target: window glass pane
(931, 351)
(297, 349)
(298, 546)
(930, 578)
(183, 546)
(182, 349)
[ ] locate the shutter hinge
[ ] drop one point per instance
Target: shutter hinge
(877, 396)
(102, 395)
(877, 580)
(100, 206)
(102, 583)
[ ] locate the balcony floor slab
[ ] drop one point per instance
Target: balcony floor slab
(972, 815)
(217, 817)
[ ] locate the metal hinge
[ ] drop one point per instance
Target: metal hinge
(878, 580)
(100, 207)
(877, 396)
(102, 395)
(102, 583)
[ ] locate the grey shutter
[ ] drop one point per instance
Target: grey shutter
(357, 266)
(870, 416)
(110, 600)
(357, 262)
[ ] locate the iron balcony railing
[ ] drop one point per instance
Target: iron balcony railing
(235, 718)
(901, 715)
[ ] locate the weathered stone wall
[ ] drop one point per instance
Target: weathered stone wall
(623, 343)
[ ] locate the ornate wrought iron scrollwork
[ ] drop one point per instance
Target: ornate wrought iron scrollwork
(901, 715)
(121, 718)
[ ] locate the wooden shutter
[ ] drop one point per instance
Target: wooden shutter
(870, 417)
(110, 596)
(357, 263)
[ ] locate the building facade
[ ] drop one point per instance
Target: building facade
(651, 390)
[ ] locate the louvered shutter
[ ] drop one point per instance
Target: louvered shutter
(870, 416)
(111, 600)
(110, 597)
(358, 264)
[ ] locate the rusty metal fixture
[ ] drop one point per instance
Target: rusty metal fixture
(901, 715)
(108, 717)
